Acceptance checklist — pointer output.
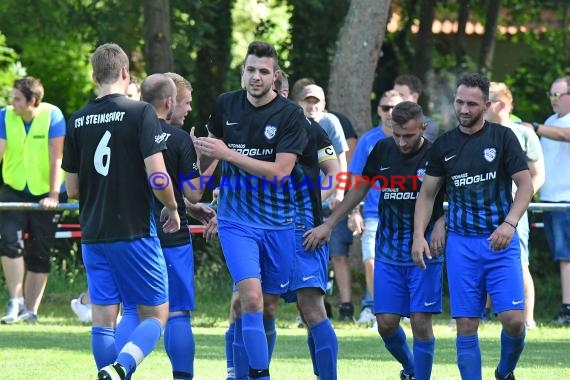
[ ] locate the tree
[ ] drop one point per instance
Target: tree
(10, 69)
(461, 36)
(315, 26)
(157, 46)
(422, 63)
(488, 45)
(355, 60)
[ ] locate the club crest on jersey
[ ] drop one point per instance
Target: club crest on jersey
(270, 131)
(421, 174)
(490, 154)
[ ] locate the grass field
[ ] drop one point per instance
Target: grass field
(59, 348)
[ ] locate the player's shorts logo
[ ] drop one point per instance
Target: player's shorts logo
(270, 131)
(490, 154)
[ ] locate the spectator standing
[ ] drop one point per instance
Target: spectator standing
(31, 148)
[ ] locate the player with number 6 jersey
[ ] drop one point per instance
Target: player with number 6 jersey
(113, 149)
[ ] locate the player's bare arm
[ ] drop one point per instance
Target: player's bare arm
(321, 234)
(155, 164)
(438, 236)
(422, 216)
(217, 149)
(537, 173)
(501, 237)
(72, 185)
(329, 182)
(206, 164)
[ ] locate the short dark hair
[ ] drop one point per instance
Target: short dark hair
(157, 87)
(475, 80)
(263, 50)
(31, 87)
(406, 111)
(413, 82)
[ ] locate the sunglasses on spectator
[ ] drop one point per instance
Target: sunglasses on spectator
(556, 95)
(386, 108)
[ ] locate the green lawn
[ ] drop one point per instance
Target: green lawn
(59, 348)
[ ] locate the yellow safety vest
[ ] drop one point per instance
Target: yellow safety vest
(26, 157)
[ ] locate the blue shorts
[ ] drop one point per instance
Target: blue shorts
(341, 239)
(473, 270)
(401, 289)
(368, 239)
(132, 271)
(258, 253)
(556, 227)
(180, 267)
(309, 268)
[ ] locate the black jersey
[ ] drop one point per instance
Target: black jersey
(181, 164)
(478, 171)
(399, 176)
(106, 143)
(260, 133)
(307, 184)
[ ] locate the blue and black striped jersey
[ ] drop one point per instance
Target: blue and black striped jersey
(399, 176)
(478, 171)
(306, 183)
(260, 133)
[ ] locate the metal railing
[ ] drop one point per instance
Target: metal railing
(198, 229)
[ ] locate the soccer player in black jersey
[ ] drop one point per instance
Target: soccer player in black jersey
(477, 162)
(258, 135)
(395, 166)
(180, 158)
(309, 276)
(113, 147)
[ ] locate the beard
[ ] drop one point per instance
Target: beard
(470, 121)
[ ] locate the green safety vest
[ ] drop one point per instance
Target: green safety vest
(26, 157)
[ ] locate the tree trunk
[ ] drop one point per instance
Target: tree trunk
(158, 52)
(461, 37)
(213, 59)
(488, 44)
(355, 60)
(424, 47)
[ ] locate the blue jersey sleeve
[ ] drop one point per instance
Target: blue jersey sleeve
(3, 124)
(56, 124)
(359, 158)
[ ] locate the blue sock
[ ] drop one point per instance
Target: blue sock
(511, 349)
(311, 344)
(142, 342)
(469, 356)
(255, 341)
(241, 364)
(326, 349)
(271, 335)
(128, 323)
(229, 351)
(179, 346)
(423, 358)
(103, 345)
(396, 344)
